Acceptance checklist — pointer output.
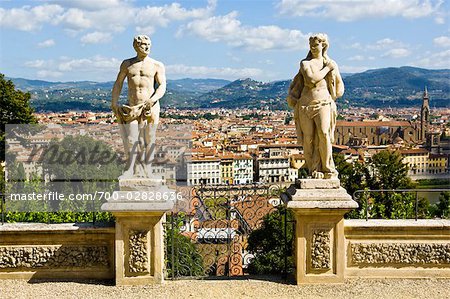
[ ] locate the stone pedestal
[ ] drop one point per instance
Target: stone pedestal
(319, 207)
(139, 236)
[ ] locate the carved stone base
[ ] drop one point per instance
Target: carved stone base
(319, 207)
(139, 248)
(140, 209)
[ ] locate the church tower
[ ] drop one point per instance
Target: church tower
(424, 115)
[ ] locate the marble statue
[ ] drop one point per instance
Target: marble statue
(138, 119)
(312, 95)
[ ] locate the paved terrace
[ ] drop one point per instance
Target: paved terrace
(236, 289)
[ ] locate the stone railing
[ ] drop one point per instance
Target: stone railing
(60, 251)
(397, 248)
(330, 249)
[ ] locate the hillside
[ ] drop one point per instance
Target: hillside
(96, 96)
(398, 87)
(384, 87)
(376, 88)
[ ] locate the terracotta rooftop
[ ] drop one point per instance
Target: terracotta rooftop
(374, 123)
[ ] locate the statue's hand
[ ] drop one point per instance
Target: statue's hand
(331, 65)
(148, 104)
(115, 109)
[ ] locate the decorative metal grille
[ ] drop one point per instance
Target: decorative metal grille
(207, 232)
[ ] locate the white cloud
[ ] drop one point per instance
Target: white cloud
(389, 47)
(212, 72)
(91, 68)
(353, 69)
(397, 53)
(355, 46)
(442, 41)
(48, 74)
(88, 4)
(96, 38)
(75, 19)
(382, 44)
(93, 64)
(38, 63)
(440, 19)
(46, 43)
(29, 18)
(229, 29)
(350, 10)
(433, 60)
(100, 15)
(356, 58)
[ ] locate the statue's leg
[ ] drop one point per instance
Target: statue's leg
(149, 136)
(307, 127)
(130, 136)
(323, 124)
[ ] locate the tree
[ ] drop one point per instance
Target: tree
(76, 165)
(352, 179)
(386, 170)
(350, 175)
(182, 256)
(267, 243)
(14, 109)
(443, 206)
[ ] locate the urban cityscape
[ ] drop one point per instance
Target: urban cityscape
(234, 147)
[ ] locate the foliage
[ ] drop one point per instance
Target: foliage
(14, 109)
(76, 165)
(59, 217)
(385, 170)
(350, 175)
(268, 245)
(442, 208)
(426, 183)
(182, 257)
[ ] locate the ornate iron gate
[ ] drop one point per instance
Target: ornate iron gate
(207, 232)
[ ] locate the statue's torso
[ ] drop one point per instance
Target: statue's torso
(141, 79)
(314, 93)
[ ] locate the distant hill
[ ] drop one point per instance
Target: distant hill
(96, 96)
(246, 93)
(395, 87)
(398, 87)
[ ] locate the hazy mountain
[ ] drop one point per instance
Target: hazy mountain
(377, 88)
(246, 93)
(398, 87)
(96, 96)
(380, 87)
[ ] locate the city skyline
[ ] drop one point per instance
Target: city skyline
(265, 40)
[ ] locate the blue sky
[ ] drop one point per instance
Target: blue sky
(265, 40)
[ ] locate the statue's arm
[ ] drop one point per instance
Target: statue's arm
(118, 86)
(314, 77)
(160, 78)
(339, 83)
(294, 91)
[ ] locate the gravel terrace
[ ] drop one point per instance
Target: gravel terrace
(240, 288)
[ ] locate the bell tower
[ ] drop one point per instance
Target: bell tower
(424, 115)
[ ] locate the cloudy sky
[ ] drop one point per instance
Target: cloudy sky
(87, 39)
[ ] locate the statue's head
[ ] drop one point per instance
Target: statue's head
(318, 42)
(142, 44)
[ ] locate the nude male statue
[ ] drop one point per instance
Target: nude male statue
(312, 95)
(139, 119)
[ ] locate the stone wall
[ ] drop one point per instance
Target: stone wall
(397, 248)
(66, 251)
